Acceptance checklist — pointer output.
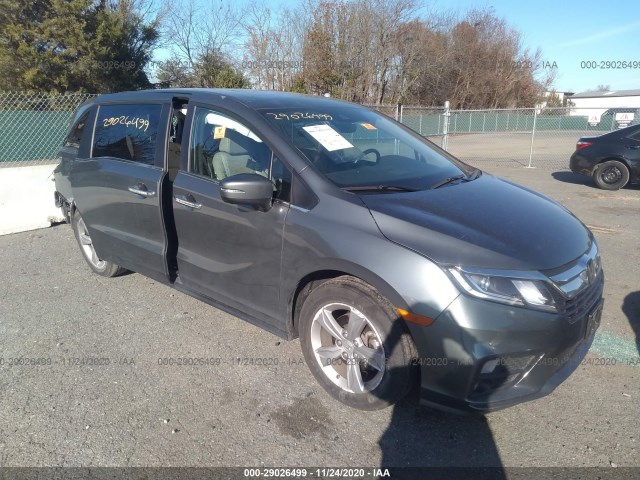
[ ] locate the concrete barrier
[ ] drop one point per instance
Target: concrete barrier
(26, 198)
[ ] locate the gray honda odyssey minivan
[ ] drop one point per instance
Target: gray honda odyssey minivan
(394, 263)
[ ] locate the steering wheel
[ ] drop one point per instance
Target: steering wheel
(367, 152)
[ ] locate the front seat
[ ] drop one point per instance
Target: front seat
(231, 159)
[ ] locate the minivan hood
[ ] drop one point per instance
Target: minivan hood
(486, 223)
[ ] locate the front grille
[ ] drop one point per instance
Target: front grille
(579, 284)
(580, 305)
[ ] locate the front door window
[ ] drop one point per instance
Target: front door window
(221, 147)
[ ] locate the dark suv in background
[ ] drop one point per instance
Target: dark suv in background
(322, 219)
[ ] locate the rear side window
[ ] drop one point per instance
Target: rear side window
(127, 132)
(75, 135)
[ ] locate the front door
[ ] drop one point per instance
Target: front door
(230, 253)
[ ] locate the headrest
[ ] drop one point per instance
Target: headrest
(232, 148)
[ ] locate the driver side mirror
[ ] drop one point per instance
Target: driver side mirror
(247, 189)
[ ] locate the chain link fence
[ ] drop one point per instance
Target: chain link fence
(427, 121)
(392, 111)
(526, 137)
(33, 126)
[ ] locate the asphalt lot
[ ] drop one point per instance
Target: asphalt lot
(136, 412)
(550, 148)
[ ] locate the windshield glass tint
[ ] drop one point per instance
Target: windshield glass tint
(355, 147)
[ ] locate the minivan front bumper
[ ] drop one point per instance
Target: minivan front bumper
(480, 355)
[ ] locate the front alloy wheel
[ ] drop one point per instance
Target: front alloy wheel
(348, 347)
(355, 344)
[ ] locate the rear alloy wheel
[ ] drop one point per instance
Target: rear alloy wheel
(611, 175)
(99, 266)
(355, 345)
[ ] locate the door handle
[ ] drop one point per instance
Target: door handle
(634, 147)
(142, 190)
(187, 201)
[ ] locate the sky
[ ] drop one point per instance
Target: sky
(570, 32)
(574, 35)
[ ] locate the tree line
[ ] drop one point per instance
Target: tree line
(368, 51)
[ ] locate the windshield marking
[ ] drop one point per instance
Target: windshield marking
(299, 115)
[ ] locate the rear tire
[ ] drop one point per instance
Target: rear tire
(611, 175)
(101, 267)
(355, 344)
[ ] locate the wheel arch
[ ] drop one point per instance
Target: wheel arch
(315, 277)
(616, 158)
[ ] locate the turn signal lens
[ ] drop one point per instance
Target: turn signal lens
(414, 318)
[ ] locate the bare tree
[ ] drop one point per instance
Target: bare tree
(476, 61)
(376, 51)
(350, 47)
(193, 29)
(272, 55)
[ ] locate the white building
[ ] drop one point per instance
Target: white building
(563, 97)
(623, 105)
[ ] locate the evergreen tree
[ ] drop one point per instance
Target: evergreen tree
(74, 45)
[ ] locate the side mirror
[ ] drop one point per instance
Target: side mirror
(247, 189)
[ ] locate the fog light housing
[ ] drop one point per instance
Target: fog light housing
(502, 371)
(489, 366)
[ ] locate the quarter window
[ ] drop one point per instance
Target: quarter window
(127, 132)
(281, 176)
(75, 135)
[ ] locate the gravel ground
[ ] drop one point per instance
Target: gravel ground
(135, 412)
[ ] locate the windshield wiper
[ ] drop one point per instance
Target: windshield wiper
(475, 174)
(380, 188)
(448, 180)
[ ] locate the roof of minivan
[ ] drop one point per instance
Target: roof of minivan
(255, 99)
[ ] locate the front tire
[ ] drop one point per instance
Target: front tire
(355, 344)
(99, 266)
(611, 175)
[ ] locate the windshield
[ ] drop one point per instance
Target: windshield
(355, 147)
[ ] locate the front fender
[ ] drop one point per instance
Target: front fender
(407, 279)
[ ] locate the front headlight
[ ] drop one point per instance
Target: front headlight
(510, 287)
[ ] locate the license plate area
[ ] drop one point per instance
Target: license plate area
(593, 320)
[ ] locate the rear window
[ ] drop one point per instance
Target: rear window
(127, 132)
